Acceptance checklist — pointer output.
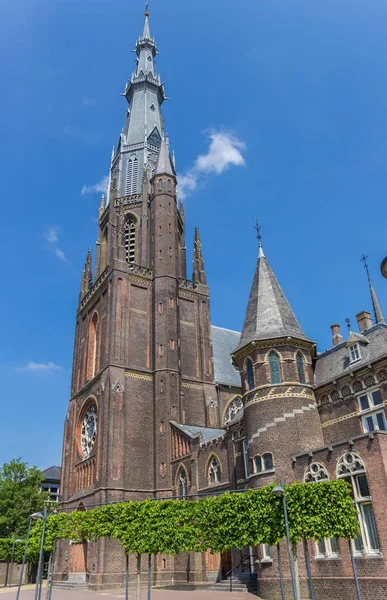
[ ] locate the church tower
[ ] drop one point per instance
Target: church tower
(274, 358)
(142, 352)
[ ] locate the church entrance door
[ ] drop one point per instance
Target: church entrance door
(78, 562)
(226, 563)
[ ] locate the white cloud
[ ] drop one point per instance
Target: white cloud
(225, 150)
(51, 235)
(86, 101)
(33, 367)
(97, 187)
(60, 254)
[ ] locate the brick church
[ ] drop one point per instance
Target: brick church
(163, 403)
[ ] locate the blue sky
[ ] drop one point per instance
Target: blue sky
(299, 88)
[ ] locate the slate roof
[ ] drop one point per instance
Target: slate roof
(205, 433)
(269, 314)
(224, 343)
(164, 164)
(52, 473)
(334, 363)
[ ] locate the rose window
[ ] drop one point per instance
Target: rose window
(89, 430)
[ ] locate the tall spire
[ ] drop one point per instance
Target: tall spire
(269, 314)
(378, 313)
(198, 274)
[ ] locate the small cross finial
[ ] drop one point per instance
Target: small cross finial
(348, 322)
(147, 8)
(257, 228)
(364, 260)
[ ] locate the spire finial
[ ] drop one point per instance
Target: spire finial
(146, 9)
(257, 228)
(348, 322)
(378, 313)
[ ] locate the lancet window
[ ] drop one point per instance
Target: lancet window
(130, 241)
(182, 483)
(250, 374)
(275, 367)
(233, 409)
(214, 472)
(131, 176)
(300, 367)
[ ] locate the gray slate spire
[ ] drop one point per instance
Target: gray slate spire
(164, 164)
(378, 313)
(269, 314)
(141, 136)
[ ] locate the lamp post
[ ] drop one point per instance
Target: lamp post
(37, 515)
(15, 541)
(279, 490)
(40, 564)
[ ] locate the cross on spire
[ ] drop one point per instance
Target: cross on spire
(147, 8)
(364, 260)
(257, 228)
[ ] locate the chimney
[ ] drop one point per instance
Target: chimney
(364, 320)
(337, 338)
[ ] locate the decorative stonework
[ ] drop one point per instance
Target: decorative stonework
(285, 417)
(304, 393)
(89, 429)
(315, 472)
(137, 375)
(339, 419)
(192, 386)
(117, 387)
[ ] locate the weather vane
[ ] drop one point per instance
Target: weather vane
(364, 260)
(257, 228)
(348, 322)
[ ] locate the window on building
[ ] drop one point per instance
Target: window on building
(131, 176)
(250, 374)
(246, 458)
(300, 367)
(263, 463)
(327, 548)
(369, 400)
(169, 185)
(130, 241)
(315, 472)
(375, 422)
(275, 367)
(214, 472)
(92, 351)
(160, 185)
(354, 353)
(233, 409)
(352, 468)
(372, 418)
(182, 483)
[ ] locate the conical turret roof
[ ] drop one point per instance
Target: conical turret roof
(269, 314)
(164, 164)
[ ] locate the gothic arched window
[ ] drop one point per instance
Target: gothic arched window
(233, 409)
(182, 483)
(169, 185)
(275, 367)
(263, 463)
(130, 241)
(214, 472)
(160, 185)
(131, 176)
(351, 467)
(92, 350)
(315, 472)
(250, 374)
(300, 367)
(104, 244)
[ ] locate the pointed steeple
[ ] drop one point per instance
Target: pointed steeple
(269, 314)
(164, 164)
(87, 275)
(198, 274)
(146, 32)
(102, 205)
(378, 313)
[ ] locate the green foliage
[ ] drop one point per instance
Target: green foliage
(20, 496)
(321, 510)
(6, 550)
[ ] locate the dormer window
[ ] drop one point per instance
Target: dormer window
(354, 353)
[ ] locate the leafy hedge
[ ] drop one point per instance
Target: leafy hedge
(217, 523)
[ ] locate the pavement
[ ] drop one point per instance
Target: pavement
(27, 593)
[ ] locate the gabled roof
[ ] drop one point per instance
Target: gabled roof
(205, 433)
(269, 314)
(335, 363)
(52, 473)
(224, 342)
(355, 338)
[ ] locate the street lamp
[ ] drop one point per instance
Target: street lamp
(38, 588)
(15, 541)
(279, 490)
(35, 516)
